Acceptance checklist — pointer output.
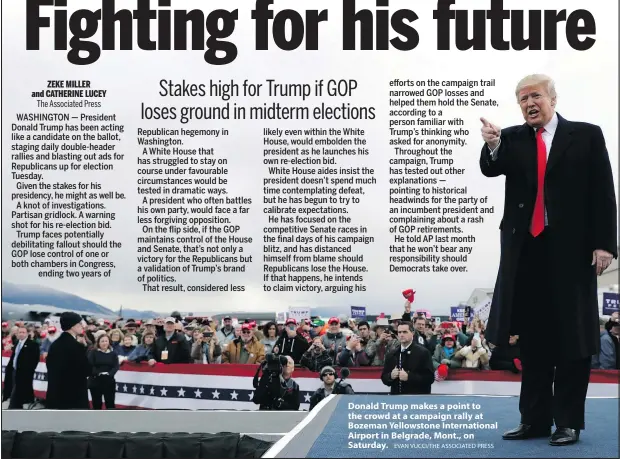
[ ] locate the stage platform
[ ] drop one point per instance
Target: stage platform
(363, 426)
(472, 427)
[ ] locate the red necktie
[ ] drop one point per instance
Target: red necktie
(538, 219)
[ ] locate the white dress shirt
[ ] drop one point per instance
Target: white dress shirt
(547, 137)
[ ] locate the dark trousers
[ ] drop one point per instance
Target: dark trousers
(15, 402)
(553, 387)
(103, 388)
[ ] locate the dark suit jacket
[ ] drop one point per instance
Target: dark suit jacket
(178, 349)
(417, 362)
(582, 215)
(67, 372)
(27, 362)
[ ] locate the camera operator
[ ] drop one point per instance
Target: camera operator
(276, 390)
(330, 386)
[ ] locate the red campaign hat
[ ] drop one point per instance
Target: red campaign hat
(42, 335)
(445, 337)
(291, 321)
(252, 324)
(442, 372)
(333, 319)
(246, 327)
(5, 324)
(409, 294)
(52, 329)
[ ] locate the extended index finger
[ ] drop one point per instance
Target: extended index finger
(485, 122)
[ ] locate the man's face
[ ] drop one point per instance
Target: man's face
(169, 327)
(420, 325)
(78, 328)
(615, 330)
(228, 323)
(288, 368)
(329, 378)
(405, 336)
(22, 334)
(334, 327)
(246, 334)
(537, 106)
(513, 340)
(364, 331)
(130, 331)
(150, 328)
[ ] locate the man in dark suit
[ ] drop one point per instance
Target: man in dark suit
(558, 232)
(20, 371)
(171, 347)
(408, 369)
(68, 368)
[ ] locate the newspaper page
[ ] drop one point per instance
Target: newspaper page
(203, 189)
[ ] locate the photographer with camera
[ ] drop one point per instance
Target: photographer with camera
(276, 390)
(330, 386)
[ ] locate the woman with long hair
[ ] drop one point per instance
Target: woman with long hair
(104, 364)
(270, 330)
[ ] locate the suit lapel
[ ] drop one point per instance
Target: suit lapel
(528, 156)
(561, 141)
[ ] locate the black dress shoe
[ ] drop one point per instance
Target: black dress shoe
(564, 436)
(525, 431)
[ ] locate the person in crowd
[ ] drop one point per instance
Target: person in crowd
(304, 330)
(343, 319)
(408, 369)
(334, 340)
(19, 372)
(116, 338)
(609, 357)
(559, 231)
(206, 348)
(131, 327)
(189, 333)
(421, 335)
(126, 348)
(270, 332)
(104, 364)
(474, 355)
(227, 332)
(365, 337)
(507, 357)
(258, 331)
(291, 343)
(329, 387)
(52, 335)
(68, 368)
(172, 347)
(317, 328)
(353, 355)
(8, 342)
(289, 397)
(245, 350)
(384, 342)
(446, 352)
(316, 357)
(144, 352)
(151, 327)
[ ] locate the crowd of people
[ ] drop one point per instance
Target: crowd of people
(316, 344)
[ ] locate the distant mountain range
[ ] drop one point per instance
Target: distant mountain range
(36, 294)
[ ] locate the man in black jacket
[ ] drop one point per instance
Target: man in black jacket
(409, 368)
(282, 394)
(171, 347)
(290, 343)
(558, 232)
(20, 371)
(328, 376)
(68, 367)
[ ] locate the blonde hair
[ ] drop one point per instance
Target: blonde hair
(537, 79)
(114, 331)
